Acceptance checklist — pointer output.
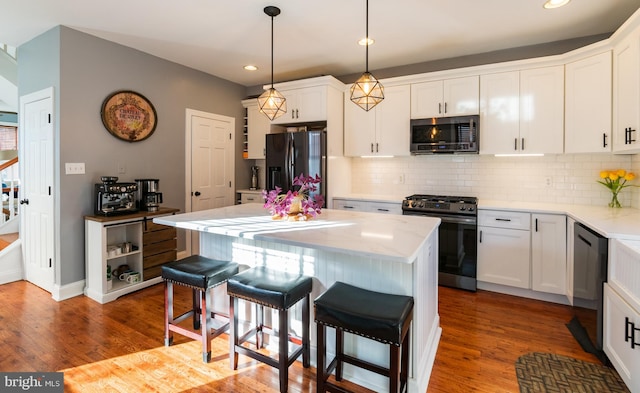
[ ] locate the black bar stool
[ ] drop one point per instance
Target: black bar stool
(202, 275)
(378, 316)
(277, 290)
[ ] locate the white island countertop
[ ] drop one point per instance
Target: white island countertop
(394, 237)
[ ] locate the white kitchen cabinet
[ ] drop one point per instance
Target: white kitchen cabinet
(621, 341)
(449, 97)
(258, 126)
(504, 247)
(548, 253)
(588, 111)
(251, 196)
(626, 94)
(151, 246)
(382, 131)
(304, 105)
(368, 206)
(522, 112)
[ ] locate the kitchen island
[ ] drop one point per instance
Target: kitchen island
(386, 253)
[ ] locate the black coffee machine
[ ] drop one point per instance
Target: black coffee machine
(114, 198)
(148, 197)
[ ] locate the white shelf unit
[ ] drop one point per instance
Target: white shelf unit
(99, 236)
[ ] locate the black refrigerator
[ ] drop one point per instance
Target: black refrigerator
(290, 154)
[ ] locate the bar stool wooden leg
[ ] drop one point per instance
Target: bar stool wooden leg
(197, 310)
(233, 332)
(321, 369)
(168, 312)
(339, 353)
(283, 349)
(306, 350)
(394, 367)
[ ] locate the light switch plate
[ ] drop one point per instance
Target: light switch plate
(74, 168)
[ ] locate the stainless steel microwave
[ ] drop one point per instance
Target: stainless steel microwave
(445, 135)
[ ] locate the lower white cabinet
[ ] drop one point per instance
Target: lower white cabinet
(368, 206)
(523, 250)
(549, 253)
(621, 323)
(504, 246)
(621, 339)
(252, 196)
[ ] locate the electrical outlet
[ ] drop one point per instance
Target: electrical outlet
(74, 168)
(122, 168)
(548, 182)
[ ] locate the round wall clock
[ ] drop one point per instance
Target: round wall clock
(129, 116)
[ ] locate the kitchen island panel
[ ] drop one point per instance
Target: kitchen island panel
(391, 254)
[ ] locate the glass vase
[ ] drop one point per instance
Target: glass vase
(614, 200)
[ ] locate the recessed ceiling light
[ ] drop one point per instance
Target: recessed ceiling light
(250, 67)
(555, 3)
(366, 41)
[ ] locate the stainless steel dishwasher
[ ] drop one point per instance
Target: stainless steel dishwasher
(589, 275)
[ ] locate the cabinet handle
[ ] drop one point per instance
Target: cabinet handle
(347, 207)
(439, 107)
(522, 144)
(503, 219)
(630, 332)
(372, 148)
(383, 210)
(376, 147)
(480, 240)
(630, 131)
(293, 113)
(445, 107)
(604, 139)
(515, 144)
(536, 225)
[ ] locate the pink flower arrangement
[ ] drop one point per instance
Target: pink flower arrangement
(295, 205)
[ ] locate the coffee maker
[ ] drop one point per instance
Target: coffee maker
(114, 198)
(149, 199)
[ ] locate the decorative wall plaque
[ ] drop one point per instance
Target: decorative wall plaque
(129, 116)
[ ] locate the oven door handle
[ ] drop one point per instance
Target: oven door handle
(457, 219)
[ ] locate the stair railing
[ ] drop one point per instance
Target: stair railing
(10, 189)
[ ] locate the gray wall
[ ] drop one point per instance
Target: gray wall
(88, 70)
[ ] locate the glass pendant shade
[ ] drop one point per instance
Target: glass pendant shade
(367, 91)
(272, 103)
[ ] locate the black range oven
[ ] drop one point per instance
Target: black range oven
(457, 241)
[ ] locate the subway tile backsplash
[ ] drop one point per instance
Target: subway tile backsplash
(566, 178)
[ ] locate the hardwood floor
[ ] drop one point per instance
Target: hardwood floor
(119, 346)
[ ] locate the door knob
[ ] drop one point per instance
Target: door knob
(197, 193)
(24, 201)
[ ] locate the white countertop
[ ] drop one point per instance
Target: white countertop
(388, 236)
(613, 223)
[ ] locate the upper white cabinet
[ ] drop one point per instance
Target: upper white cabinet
(304, 105)
(626, 94)
(522, 112)
(258, 126)
(549, 253)
(450, 97)
(588, 105)
(382, 131)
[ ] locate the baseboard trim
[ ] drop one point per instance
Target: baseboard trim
(64, 292)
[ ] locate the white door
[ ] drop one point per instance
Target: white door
(210, 164)
(36, 153)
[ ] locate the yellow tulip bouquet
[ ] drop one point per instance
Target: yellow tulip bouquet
(615, 181)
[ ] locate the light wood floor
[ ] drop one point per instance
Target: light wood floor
(483, 335)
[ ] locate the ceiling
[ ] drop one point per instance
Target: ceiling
(312, 38)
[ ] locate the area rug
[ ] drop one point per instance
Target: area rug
(546, 372)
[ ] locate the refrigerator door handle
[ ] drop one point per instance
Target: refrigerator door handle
(291, 160)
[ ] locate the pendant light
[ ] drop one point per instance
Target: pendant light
(271, 102)
(367, 91)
